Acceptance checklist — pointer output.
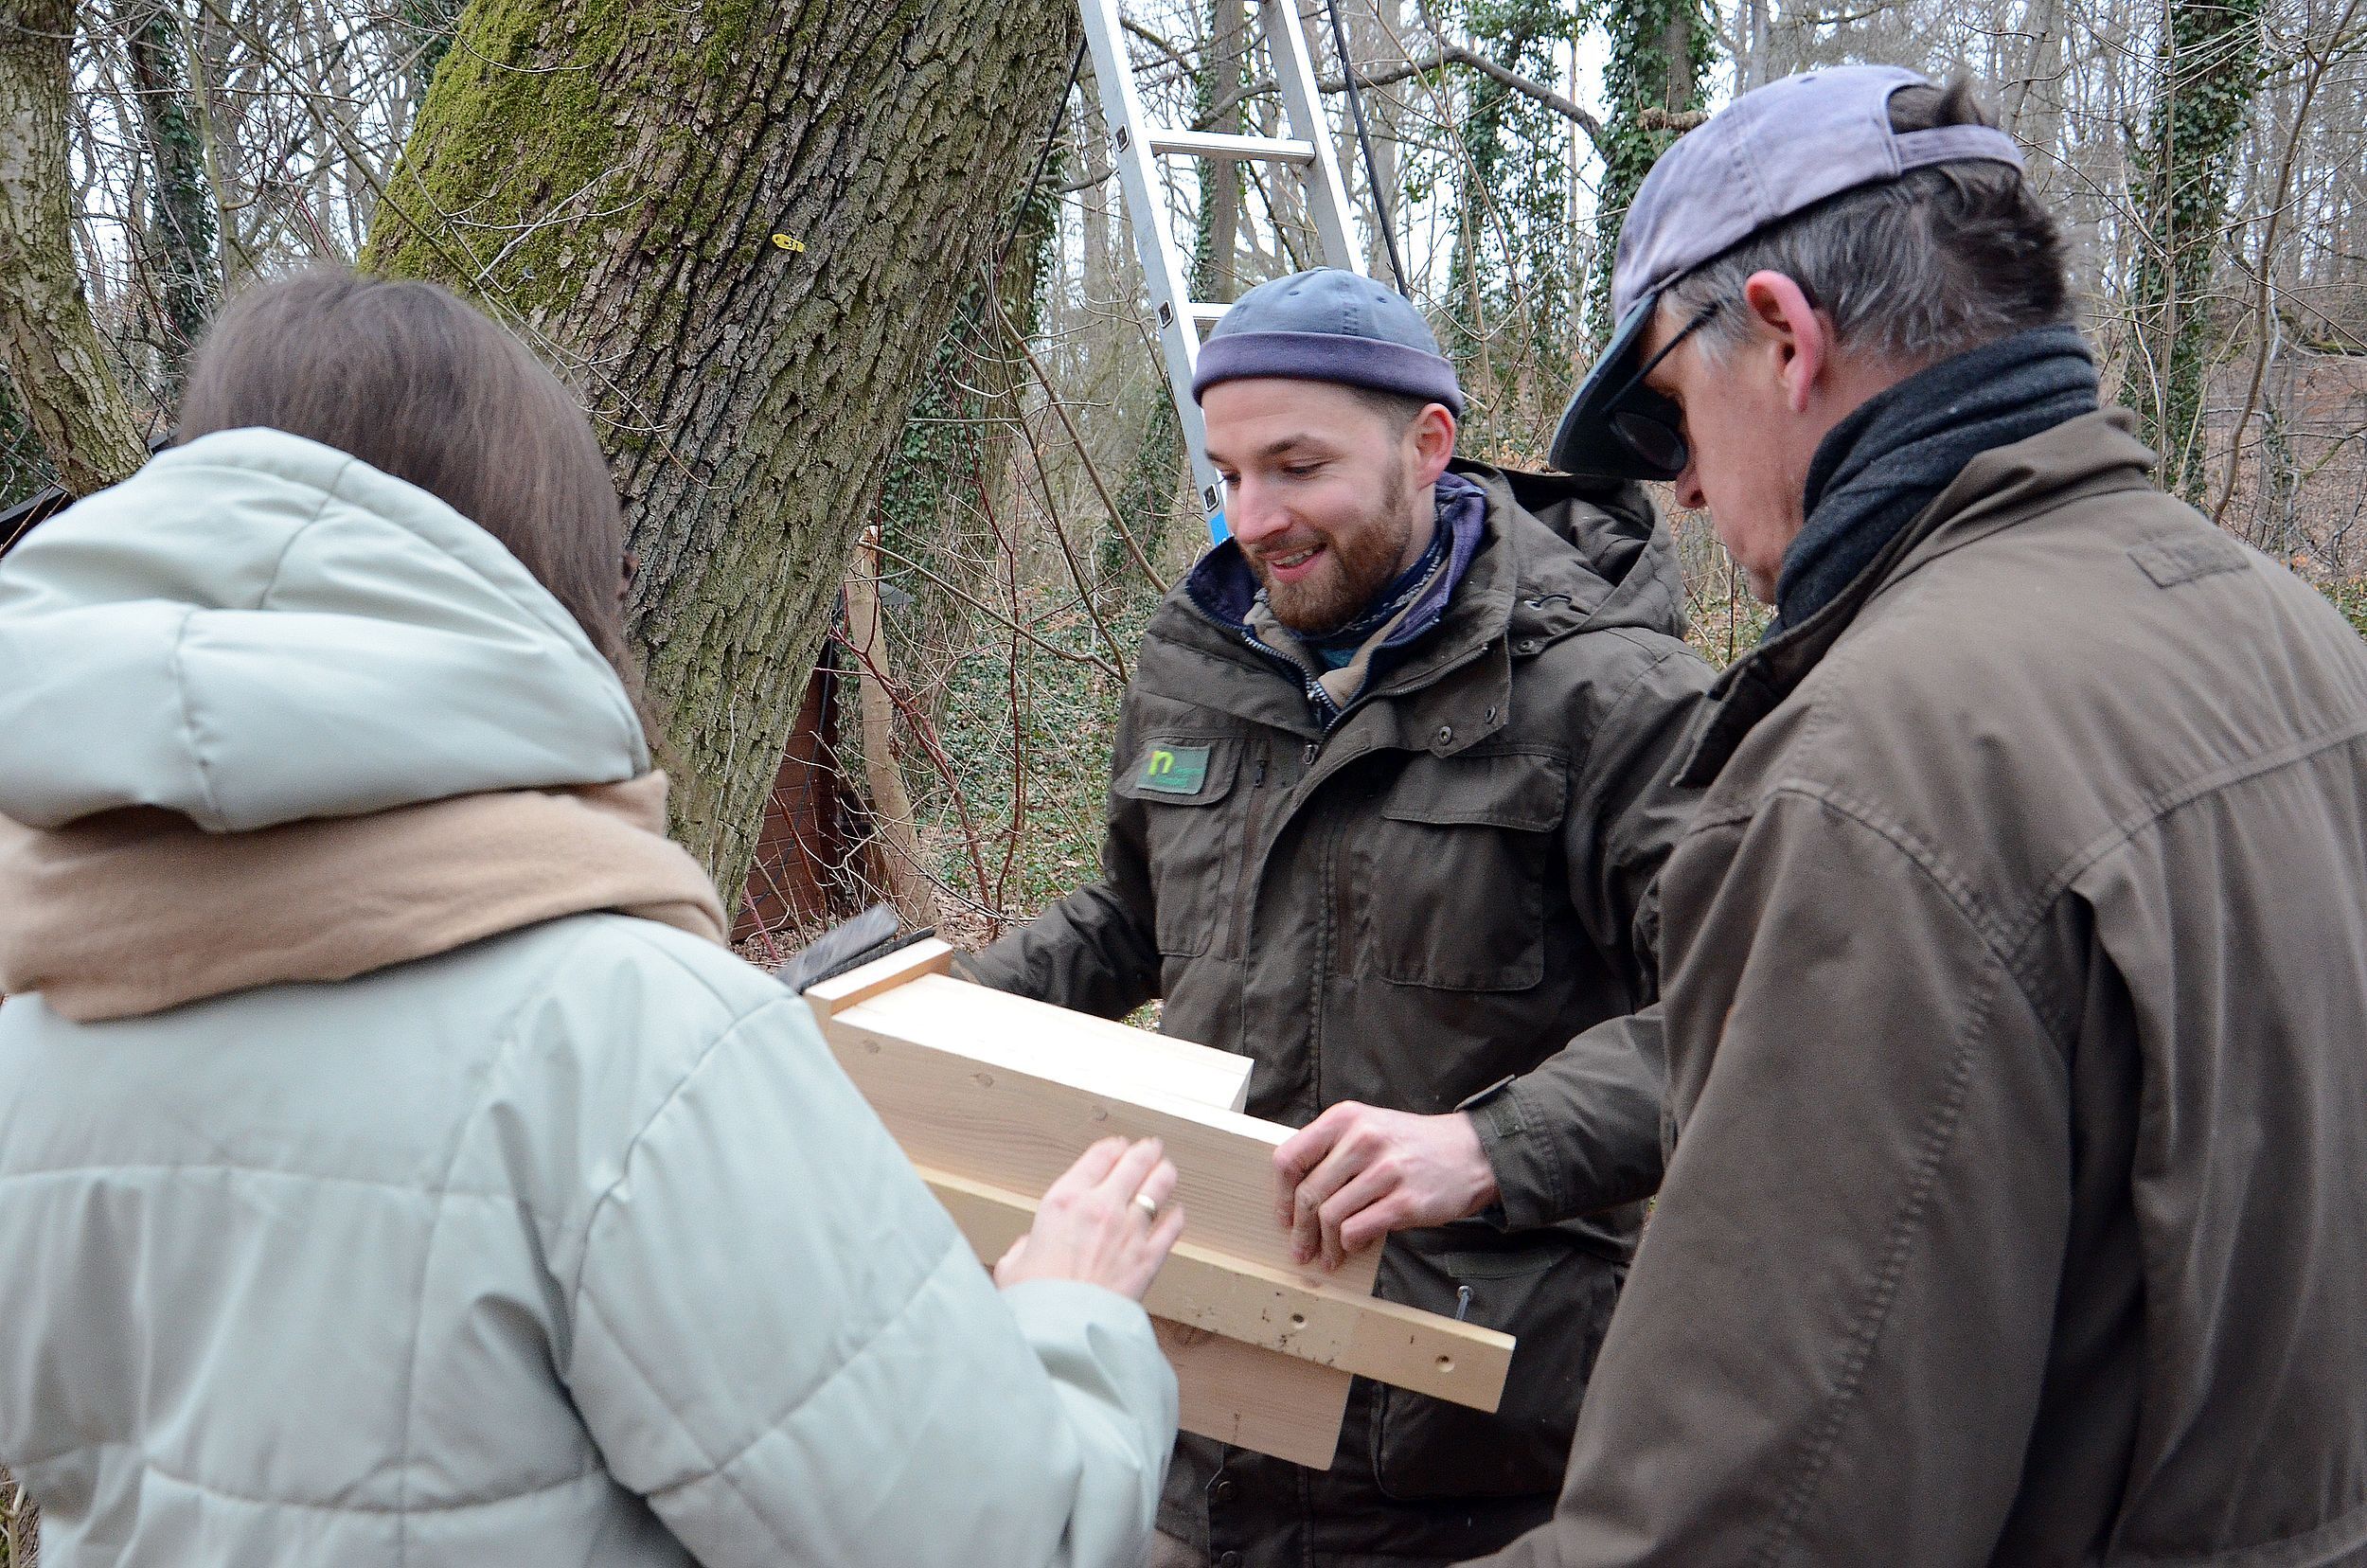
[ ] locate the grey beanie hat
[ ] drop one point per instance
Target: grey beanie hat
(1330, 326)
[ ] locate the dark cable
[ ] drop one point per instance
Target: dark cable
(1363, 141)
(1051, 140)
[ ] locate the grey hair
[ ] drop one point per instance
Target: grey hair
(1913, 270)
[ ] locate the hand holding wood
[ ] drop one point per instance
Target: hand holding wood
(1105, 1222)
(1358, 1172)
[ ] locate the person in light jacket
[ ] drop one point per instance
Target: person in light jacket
(395, 1164)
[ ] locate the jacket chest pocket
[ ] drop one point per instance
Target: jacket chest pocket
(1454, 872)
(1190, 835)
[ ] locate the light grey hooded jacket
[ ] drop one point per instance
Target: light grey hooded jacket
(570, 1246)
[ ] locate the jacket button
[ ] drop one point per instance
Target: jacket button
(1526, 645)
(1221, 1492)
(1230, 1560)
(1445, 734)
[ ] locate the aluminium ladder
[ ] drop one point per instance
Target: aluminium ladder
(1307, 149)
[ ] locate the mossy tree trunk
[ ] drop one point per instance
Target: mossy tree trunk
(744, 227)
(1217, 241)
(186, 267)
(25, 470)
(64, 389)
(2205, 76)
(1659, 58)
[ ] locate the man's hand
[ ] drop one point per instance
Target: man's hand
(1358, 1172)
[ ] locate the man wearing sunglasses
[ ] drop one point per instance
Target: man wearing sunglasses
(2015, 964)
(1382, 813)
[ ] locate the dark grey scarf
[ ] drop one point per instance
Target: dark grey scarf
(1882, 465)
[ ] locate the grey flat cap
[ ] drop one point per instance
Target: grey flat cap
(1771, 154)
(1330, 326)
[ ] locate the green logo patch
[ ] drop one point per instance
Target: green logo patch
(1175, 769)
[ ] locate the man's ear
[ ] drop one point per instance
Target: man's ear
(1431, 434)
(1801, 340)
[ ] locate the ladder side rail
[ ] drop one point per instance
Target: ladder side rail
(1326, 194)
(1146, 210)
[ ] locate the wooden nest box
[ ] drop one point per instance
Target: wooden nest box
(994, 1096)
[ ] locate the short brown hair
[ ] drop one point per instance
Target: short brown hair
(416, 383)
(1399, 408)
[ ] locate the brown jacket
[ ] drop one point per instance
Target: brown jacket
(2015, 980)
(1435, 897)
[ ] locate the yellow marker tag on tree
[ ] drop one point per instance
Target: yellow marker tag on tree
(788, 243)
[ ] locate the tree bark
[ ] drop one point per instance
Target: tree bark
(25, 470)
(884, 780)
(1660, 52)
(186, 264)
(745, 229)
(2205, 76)
(1221, 76)
(68, 393)
(1377, 32)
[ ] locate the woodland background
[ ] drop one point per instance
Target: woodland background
(848, 292)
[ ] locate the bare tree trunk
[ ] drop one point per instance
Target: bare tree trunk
(884, 780)
(1377, 34)
(1220, 77)
(25, 470)
(2206, 72)
(219, 134)
(68, 395)
(1660, 51)
(745, 228)
(185, 263)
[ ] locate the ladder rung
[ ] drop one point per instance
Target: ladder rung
(1209, 144)
(1204, 313)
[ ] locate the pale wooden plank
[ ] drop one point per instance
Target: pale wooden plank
(932, 956)
(1237, 1393)
(1398, 1345)
(1253, 1397)
(1018, 1131)
(1054, 1042)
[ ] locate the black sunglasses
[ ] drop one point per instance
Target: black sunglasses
(1646, 424)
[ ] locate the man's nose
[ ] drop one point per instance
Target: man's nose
(1251, 512)
(1688, 489)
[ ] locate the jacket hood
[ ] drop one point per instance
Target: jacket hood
(1626, 572)
(256, 629)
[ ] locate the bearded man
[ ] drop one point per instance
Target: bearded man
(1384, 807)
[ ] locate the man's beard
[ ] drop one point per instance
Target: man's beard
(1362, 559)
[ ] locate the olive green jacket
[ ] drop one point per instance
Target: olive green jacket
(2014, 986)
(1433, 898)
